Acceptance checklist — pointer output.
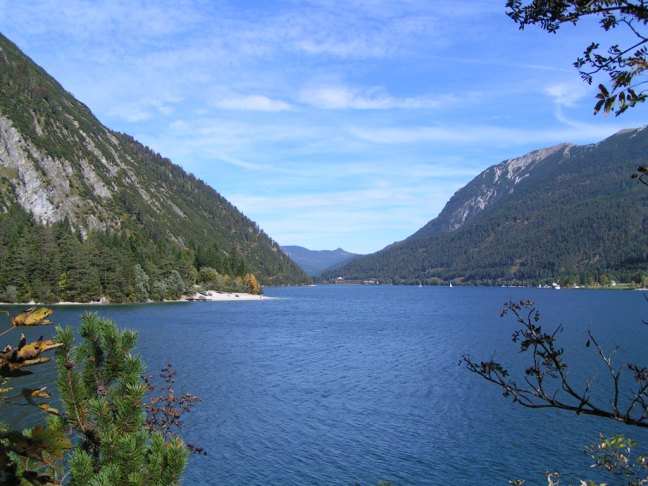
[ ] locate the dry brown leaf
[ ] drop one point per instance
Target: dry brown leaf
(32, 317)
(41, 393)
(29, 394)
(46, 408)
(23, 364)
(33, 350)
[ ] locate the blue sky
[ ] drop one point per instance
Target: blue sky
(329, 123)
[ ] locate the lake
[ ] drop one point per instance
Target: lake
(357, 384)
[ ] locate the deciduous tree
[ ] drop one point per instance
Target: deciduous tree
(251, 283)
(623, 61)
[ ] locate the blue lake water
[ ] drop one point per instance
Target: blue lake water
(357, 384)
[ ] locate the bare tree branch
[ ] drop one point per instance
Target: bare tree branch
(547, 383)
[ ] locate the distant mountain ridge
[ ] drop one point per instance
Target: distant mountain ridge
(314, 262)
(60, 165)
(564, 211)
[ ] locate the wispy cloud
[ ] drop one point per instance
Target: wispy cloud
(324, 220)
(490, 135)
(240, 163)
(252, 103)
(144, 109)
(342, 97)
(568, 93)
(328, 122)
(80, 19)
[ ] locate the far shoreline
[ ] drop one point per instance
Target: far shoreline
(207, 296)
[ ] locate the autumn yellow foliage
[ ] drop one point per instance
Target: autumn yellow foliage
(251, 283)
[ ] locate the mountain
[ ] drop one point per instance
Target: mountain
(567, 211)
(314, 262)
(65, 170)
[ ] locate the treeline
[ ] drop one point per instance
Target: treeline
(52, 263)
(511, 253)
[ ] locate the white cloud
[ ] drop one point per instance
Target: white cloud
(464, 135)
(240, 163)
(568, 93)
(143, 109)
(180, 126)
(361, 220)
(342, 98)
(123, 20)
(326, 98)
(252, 103)
(348, 48)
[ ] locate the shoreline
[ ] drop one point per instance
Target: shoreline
(207, 296)
(215, 296)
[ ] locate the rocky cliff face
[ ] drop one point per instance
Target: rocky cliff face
(490, 186)
(58, 162)
(499, 180)
(80, 188)
(43, 185)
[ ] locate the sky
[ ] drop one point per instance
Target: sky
(329, 123)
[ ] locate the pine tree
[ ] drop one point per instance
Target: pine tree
(102, 393)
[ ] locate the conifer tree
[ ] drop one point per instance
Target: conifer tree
(102, 393)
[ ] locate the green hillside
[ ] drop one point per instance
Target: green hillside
(570, 212)
(62, 171)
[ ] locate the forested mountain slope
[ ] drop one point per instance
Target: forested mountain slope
(566, 211)
(63, 168)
